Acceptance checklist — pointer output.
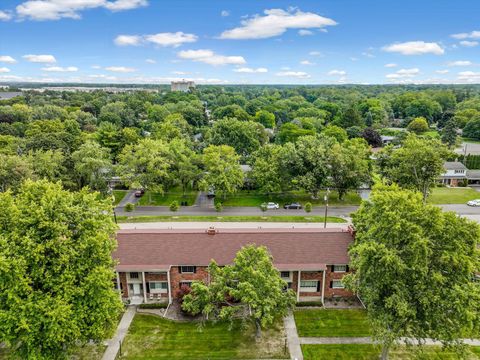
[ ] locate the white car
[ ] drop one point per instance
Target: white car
(271, 206)
(475, 202)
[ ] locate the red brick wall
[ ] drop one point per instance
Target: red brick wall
(312, 275)
(123, 281)
(329, 292)
(176, 277)
(155, 277)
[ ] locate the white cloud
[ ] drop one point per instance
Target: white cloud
(251, 70)
(7, 59)
(4, 70)
(103, 76)
(390, 65)
(469, 76)
(60, 69)
(315, 53)
(179, 73)
(470, 35)
(306, 62)
(468, 43)
(460, 63)
(128, 40)
(304, 32)
(403, 73)
(96, 67)
(150, 61)
(415, 48)
(368, 54)
(162, 39)
(5, 15)
(442, 71)
(58, 9)
(209, 57)
(275, 22)
(225, 13)
(337, 73)
(120, 69)
(45, 59)
(295, 74)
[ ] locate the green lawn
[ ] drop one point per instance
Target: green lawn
(87, 352)
(167, 198)
(444, 195)
(220, 218)
(118, 195)
(332, 323)
(152, 337)
(254, 198)
(372, 352)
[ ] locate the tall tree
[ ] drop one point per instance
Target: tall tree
(414, 269)
(92, 166)
(14, 170)
(56, 270)
(416, 165)
(222, 169)
(251, 288)
(449, 133)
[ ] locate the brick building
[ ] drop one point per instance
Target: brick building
(154, 264)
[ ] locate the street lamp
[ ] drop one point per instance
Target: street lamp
(325, 198)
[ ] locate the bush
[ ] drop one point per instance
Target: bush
(218, 207)
(308, 303)
(129, 207)
(308, 207)
(263, 207)
(174, 205)
(160, 305)
(418, 125)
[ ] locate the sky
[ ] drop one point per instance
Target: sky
(240, 42)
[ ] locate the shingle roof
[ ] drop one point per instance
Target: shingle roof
(454, 165)
(292, 249)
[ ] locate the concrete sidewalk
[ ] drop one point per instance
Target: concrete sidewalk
(122, 329)
(292, 338)
(368, 340)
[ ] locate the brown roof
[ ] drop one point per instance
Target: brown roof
(292, 249)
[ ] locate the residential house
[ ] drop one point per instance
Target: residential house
(455, 172)
(154, 264)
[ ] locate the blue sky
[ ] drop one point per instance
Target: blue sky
(220, 41)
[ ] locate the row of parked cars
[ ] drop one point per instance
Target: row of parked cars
(275, 206)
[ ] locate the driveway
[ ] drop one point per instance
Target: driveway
(128, 198)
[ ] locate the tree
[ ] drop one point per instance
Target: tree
(185, 169)
(414, 269)
(174, 126)
(418, 125)
(267, 170)
(222, 169)
(472, 129)
(146, 165)
(351, 117)
(416, 165)
(265, 118)
(250, 288)
(56, 270)
(92, 166)
(349, 165)
(13, 171)
(108, 135)
(449, 133)
(290, 132)
(372, 137)
(335, 132)
(244, 136)
(47, 164)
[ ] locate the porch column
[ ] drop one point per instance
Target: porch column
(169, 287)
(118, 285)
(298, 285)
(144, 287)
(323, 287)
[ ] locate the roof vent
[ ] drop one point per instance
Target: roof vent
(211, 230)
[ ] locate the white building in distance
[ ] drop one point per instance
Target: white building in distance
(183, 85)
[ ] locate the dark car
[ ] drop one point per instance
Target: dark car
(292, 206)
(211, 193)
(139, 193)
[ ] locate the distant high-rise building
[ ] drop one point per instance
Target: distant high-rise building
(183, 85)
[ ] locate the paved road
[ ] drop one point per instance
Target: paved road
(341, 211)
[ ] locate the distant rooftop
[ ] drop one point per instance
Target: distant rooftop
(9, 94)
(454, 165)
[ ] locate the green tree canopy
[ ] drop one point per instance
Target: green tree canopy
(414, 269)
(418, 125)
(56, 270)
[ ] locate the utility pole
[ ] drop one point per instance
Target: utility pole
(326, 207)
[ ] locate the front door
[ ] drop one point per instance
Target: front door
(137, 289)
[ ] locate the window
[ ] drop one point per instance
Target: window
(186, 283)
(337, 284)
(309, 286)
(285, 274)
(459, 171)
(158, 286)
(134, 275)
(187, 269)
(339, 268)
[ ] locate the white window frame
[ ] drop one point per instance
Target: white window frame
(187, 266)
(160, 290)
(287, 279)
(343, 266)
(341, 286)
(309, 288)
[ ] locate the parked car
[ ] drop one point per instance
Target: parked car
(271, 206)
(292, 206)
(139, 193)
(475, 202)
(211, 193)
